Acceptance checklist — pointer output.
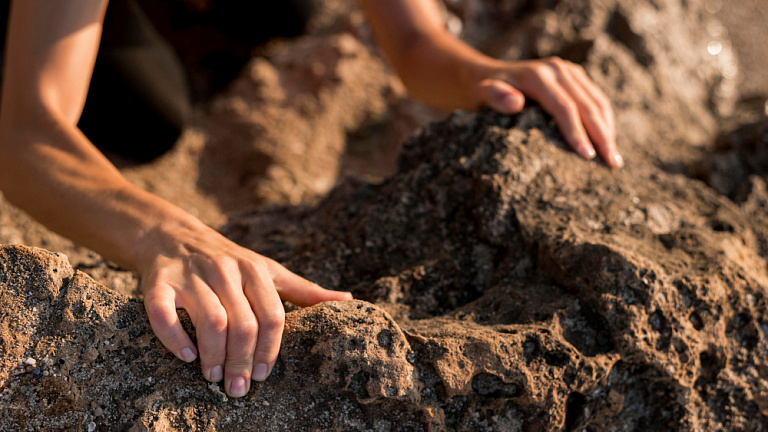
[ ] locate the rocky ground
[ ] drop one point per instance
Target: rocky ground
(503, 283)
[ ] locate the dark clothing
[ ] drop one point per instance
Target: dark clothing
(139, 97)
(138, 100)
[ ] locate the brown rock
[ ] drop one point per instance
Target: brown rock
(533, 284)
(504, 283)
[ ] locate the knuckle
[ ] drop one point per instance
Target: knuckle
(557, 63)
(221, 265)
(237, 362)
(157, 313)
(535, 75)
(565, 106)
(273, 320)
(577, 67)
(257, 270)
(246, 329)
(217, 321)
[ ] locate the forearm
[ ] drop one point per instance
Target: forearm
(444, 72)
(49, 169)
(425, 55)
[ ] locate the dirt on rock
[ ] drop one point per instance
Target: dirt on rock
(502, 283)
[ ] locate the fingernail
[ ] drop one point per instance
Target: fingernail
(618, 161)
(510, 101)
(187, 355)
(260, 372)
(237, 387)
(587, 151)
(217, 374)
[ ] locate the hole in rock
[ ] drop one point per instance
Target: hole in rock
(490, 385)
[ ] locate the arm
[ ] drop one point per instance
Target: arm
(51, 170)
(446, 73)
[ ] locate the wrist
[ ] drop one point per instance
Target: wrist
(444, 72)
(161, 233)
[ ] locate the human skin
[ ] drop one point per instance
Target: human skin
(441, 71)
(232, 295)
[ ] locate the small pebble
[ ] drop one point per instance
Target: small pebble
(98, 412)
(91, 427)
(30, 361)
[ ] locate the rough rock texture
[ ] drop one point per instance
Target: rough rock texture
(516, 288)
(535, 285)
(75, 355)
(503, 283)
(16, 227)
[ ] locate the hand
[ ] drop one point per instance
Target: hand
(232, 296)
(563, 89)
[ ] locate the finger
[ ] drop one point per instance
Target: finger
(242, 328)
(591, 116)
(210, 320)
(598, 96)
(599, 109)
(160, 305)
(501, 96)
(558, 102)
(300, 291)
(260, 291)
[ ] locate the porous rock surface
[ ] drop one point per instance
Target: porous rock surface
(538, 291)
(503, 284)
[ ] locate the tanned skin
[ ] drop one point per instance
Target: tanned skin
(232, 294)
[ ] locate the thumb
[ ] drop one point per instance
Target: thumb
(300, 291)
(501, 96)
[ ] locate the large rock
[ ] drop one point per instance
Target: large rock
(506, 285)
(503, 283)
(541, 289)
(75, 355)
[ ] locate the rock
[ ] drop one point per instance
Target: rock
(512, 311)
(490, 299)
(543, 291)
(352, 354)
(503, 283)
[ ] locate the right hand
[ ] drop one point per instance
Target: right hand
(233, 297)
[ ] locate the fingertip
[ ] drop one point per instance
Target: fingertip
(165, 323)
(216, 374)
(260, 372)
(341, 295)
(238, 387)
(338, 295)
(586, 150)
(501, 96)
(187, 354)
(512, 102)
(618, 161)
